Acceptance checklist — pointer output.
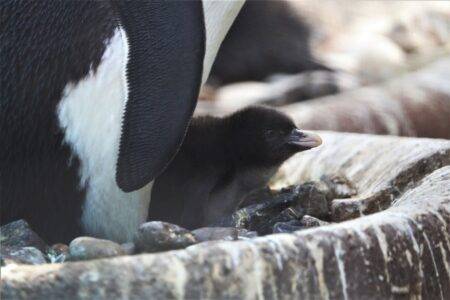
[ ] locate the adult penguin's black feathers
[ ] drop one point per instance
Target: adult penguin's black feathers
(164, 70)
(44, 47)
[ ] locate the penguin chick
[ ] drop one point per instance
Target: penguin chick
(222, 160)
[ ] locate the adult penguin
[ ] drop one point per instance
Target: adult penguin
(95, 100)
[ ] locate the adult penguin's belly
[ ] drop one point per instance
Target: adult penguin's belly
(90, 113)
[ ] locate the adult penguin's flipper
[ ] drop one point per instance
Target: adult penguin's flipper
(166, 41)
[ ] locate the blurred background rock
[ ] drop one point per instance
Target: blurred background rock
(367, 66)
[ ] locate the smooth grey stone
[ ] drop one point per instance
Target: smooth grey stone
(22, 255)
(158, 236)
(85, 248)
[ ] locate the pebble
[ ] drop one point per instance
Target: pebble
(262, 212)
(85, 248)
(255, 216)
(288, 214)
(22, 255)
(314, 198)
(18, 234)
(159, 236)
(292, 203)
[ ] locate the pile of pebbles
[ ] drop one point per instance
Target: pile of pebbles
(263, 212)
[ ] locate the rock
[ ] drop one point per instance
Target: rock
(255, 216)
(58, 253)
(221, 233)
(314, 199)
(22, 255)
(400, 252)
(160, 236)
(308, 221)
(289, 214)
(85, 248)
(18, 234)
(128, 248)
(290, 203)
(287, 227)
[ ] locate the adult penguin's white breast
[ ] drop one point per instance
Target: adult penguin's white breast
(161, 97)
(219, 16)
(90, 113)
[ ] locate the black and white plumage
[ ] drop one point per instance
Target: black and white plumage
(95, 100)
(222, 160)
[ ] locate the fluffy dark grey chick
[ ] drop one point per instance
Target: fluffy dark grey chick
(221, 161)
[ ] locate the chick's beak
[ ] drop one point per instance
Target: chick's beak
(304, 139)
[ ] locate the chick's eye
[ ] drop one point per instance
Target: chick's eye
(272, 133)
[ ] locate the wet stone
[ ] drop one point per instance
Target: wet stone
(85, 248)
(291, 203)
(159, 236)
(255, 216)
(287, 215)
(314, 199)
(18, 234)
(22, 255)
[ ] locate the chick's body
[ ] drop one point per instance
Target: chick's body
(220, 162)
